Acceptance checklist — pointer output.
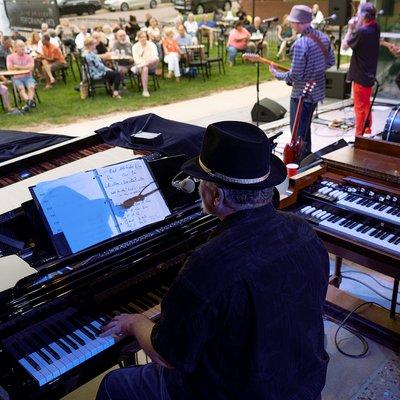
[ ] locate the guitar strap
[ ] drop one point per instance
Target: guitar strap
(318, 41)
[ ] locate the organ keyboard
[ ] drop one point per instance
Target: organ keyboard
(352, 199)
(50, 321)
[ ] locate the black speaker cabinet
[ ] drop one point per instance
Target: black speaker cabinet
(342, 9)
(269, 111)
(336, 85)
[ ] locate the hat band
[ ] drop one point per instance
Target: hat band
(231, 179)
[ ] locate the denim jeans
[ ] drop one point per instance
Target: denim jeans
(142, 382)
(232, 51)
(304, 130)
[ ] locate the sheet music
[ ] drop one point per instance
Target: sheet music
(125, 181)
(75, 205)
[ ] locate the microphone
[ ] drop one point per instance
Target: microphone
(272, 19)
(186, 185)
(380, 13)
(330, 18)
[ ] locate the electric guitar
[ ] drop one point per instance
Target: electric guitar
(253, 57)
(292, 151)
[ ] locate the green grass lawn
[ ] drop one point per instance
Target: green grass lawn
(62, 104)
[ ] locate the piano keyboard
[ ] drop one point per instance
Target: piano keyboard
(364, 229)
(361, 200)
(51, 348)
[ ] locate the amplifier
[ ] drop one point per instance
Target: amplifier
(336, 85)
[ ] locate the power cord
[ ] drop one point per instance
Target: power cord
(356, 334)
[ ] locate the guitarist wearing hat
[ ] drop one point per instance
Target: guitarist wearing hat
(311, 56)
(243, 319)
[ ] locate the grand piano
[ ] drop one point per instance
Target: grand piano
(49, 321)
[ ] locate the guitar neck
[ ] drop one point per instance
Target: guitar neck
(297, 118)
(263, 60)
(389, 45)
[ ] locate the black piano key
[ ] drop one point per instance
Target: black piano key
(68, 329)
(397, 241)
(146, 302)
(89, 325)
(360, 228)
(369, 203)
(385, 235)
(378, 205)
(348, 223)
(391, 240)
(42, 343)
(63, 335)
(141, 304)
(56, 340)
(372, 233)
(365, 202)
(39, 352)
(391, 209)
(382, 207)
(81, 327)
(337, 218)
(379, 233)
(23, 354)
(137, 308)
(331, 218)
(344, 222)
(158, 298)
(354, 224)
(398, 212)
(150, 299)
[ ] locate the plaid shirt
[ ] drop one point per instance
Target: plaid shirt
(308, 63)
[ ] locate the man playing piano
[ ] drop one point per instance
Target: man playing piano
(243, 319)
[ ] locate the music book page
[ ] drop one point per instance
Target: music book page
(133, 180)
(12, 269)
(75, 206)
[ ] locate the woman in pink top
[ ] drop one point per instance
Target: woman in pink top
(238, 40)
(24, 83)
(171, 54)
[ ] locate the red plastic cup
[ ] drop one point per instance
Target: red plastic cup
(292, 169)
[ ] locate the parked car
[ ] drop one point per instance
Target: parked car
(200, 6)
(78, 6)
(125, 5)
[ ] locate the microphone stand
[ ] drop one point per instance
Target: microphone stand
(259, 51)
(366, 122)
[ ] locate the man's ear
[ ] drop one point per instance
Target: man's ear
(219, 196)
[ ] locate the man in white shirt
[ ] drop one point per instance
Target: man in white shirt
(317, 16)
(81, 36)
(191, 27)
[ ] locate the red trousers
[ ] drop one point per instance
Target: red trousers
(362, 102)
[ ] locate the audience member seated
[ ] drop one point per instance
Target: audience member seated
(218, 15)
(171, 54)
(132, 28)
(207, 28)
(5, 96)
(25, 84)
(257, 30)
(241, 14)
(52, 60)
(317, 16)
(32, 43)
(124, 48)
(153, 31)
(54, 39)
(145, 56)
(147, 18)
(100, 45)
(67, 31)
(109, 35)
(191, 27)
(178, 21)
(44, 29)
(15, 35)
(5, 50)
(183, 39)
(81, 36)
(98, 70)
(238, 41)
(286, 37)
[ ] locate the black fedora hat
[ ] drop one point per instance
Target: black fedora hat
(237, 155)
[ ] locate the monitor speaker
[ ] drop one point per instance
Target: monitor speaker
(342, 9)
(267, 111)
(336, 85)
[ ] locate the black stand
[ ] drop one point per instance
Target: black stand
(258, 51)
(370, 107)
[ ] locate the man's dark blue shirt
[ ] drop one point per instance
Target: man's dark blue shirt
(243, 319)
